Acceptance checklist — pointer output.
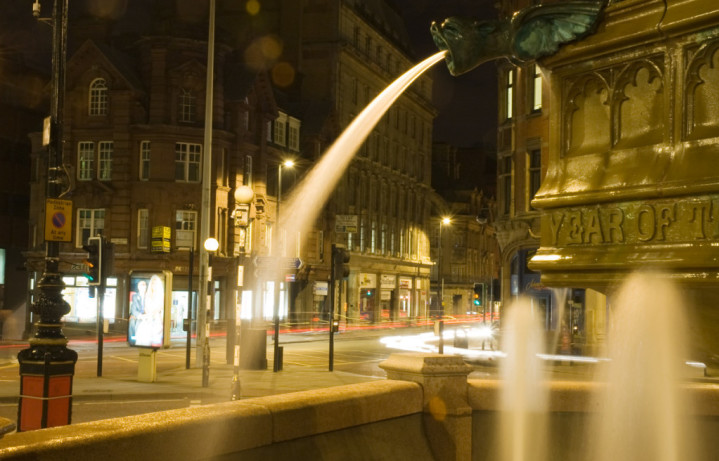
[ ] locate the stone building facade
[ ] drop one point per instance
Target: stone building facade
(134, 118)
(135, 98)
(351, 51)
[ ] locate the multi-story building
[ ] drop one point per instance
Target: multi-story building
(134, 149)
(468, 254)
(351, 51)
(133, 158)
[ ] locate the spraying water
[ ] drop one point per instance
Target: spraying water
(307, 200)
(643, 413)
(524, 395)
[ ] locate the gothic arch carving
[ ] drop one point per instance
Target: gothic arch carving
(702, 92)
(587, 113)
(638, 105)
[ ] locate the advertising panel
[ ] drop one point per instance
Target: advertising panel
(367, 280)
(150, 302)
(387, 281)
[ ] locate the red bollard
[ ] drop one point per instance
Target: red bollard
(46, 391)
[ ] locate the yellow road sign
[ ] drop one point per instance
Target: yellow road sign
(58, 220)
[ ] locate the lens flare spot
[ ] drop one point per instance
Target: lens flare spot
(437, 408)
(263, 52)
(252, 7)
(283, 74)
(108, 9)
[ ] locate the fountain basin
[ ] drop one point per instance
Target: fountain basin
(378, 420)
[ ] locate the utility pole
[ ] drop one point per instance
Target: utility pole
(203, 327)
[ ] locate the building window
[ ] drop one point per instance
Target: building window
(383, 239)
(223, 168)
(362, 233)
(85, 160)
(144, 160)
(373, 238)
(186, 106)
(247, 173)
(505, 182)
(509, 94)
(280, 136)
(185, 228)
(392, 240)
(143, 228)
(98, 97)
(105, 160)
(187, 162)
(536, 89)
(89, 224)
(268, 238)
(293, 139)
(534, 172)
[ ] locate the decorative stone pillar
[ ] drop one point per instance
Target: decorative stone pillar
(447, 414)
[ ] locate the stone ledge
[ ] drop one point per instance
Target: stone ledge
(219, 429)
(578, 397)
(302, 414)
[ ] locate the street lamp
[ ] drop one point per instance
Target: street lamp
(287, 164)
(445, 221)
(276, 361)
(48, 359)
(211, 245)
(243, 198)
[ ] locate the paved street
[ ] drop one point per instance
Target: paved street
(305, 367)
(118, 393)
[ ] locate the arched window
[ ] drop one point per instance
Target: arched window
(98, 97)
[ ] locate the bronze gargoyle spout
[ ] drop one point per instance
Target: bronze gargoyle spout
(529, 34)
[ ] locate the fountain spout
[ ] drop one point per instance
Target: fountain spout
(529, 34)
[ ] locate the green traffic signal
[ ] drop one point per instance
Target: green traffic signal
(93, 261)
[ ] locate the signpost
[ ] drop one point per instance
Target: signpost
(58, 220)
(346, 223)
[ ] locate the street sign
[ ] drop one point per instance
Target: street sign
(265, 262)
(58, 220)
(345, 223)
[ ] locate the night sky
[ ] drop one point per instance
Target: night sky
(467, 104)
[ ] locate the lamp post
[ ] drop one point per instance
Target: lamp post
(443, 222)
(243, 198)
(276, 361)
(206, 195)
(48, 364)
(288, 164)
(211, 245)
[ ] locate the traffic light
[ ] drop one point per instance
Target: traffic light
(340, 260)
(478, 289)
(93, 261)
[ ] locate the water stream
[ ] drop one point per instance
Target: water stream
(307, 200)
(644, 414)
(524, 394)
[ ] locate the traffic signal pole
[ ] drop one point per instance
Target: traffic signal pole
(333, 264)
(338, 271)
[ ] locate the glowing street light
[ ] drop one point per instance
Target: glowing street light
(277, 366)
(446, 221)
(211, 245)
